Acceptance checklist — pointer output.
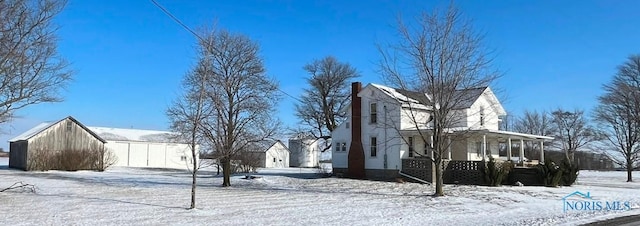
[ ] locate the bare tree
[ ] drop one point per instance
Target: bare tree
(31, 70)
(573, 131)
(538, 123)
(321, 104)
(534, 122)
(618, 114)
(188, 114)
(440, 55)
(241, 96)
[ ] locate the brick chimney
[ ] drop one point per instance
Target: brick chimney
(356, 152)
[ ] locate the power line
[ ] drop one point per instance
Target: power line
(174, 18)
(177, 20)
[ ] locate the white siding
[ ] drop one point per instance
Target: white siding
(340, 135)
(487, 104)
(389, 120)
(146, 154)
(121, 151)
(412, 117)
(277, 156)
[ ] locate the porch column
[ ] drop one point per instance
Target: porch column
(484, 147)
(449, 147)
(521, 150)
(541, 151)
(509, 146)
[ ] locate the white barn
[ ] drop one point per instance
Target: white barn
(145, 148)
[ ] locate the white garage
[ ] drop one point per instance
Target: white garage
(145, 148)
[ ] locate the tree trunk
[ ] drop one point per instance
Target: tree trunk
(439, 179)
(629, 170)
(193, 189)
(194, 173)
(226, 172)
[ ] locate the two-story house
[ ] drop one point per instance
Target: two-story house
(386, 126)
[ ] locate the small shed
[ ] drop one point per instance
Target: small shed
(276, 156)
(53, 145)
(146, 148)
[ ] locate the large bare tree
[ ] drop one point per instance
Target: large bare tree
(573, 131)
(321, 103)
(618, 114)
(31, 70)
(241, 96)
(188, 114)
(440, 54)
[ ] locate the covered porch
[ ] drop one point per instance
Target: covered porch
(510, 146)
(468, 151)
(476, 145)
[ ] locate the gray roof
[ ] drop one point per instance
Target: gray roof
(45, 125)
(469, 96)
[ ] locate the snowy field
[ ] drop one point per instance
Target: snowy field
(136, 196)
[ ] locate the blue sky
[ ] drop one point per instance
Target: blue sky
(129, 57)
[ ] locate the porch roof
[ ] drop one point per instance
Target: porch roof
(507, 134)
(491, 132)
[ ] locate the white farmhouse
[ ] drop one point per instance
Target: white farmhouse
(387, 128)
(145, 148)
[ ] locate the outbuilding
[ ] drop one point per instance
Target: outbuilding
(65, 144)
(276, 156)
(69, 141)
(145, 148)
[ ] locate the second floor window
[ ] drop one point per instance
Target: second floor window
(374, 147)
(373, 110)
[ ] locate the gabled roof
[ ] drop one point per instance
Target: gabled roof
(121, 134)
(404, 96)
(469, 96)
(270, 146)
(46, 125)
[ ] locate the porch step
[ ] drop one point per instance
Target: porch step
(414, 178)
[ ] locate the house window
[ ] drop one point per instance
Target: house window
(183, 158)
(274, 159)
(347, 125)
(337, 147)
(373, 110)
(343, 146)
(479, 148)
(481, 116)
(69, 125)
(410, 143)
(374, 146)
(488, 148)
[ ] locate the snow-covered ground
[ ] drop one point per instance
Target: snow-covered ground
(136, 196)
